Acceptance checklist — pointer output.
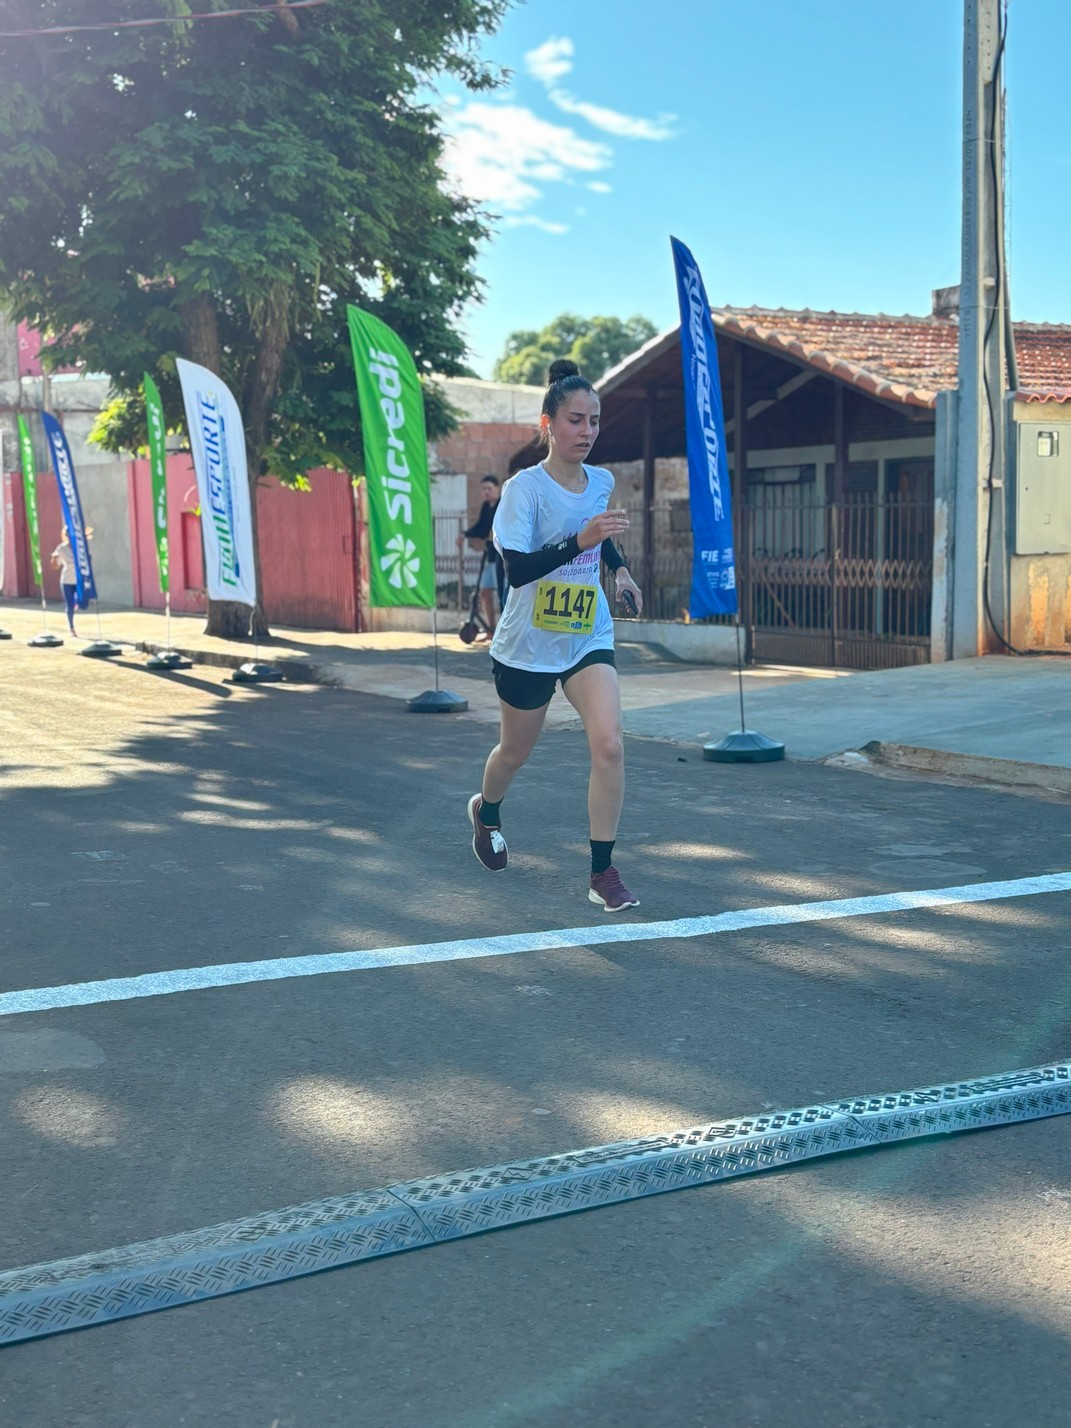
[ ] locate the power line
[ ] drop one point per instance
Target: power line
(275, 9)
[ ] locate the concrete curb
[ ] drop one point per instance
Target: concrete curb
(1051, 777)
(294, 671)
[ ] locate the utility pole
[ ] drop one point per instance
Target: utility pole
(980, 464)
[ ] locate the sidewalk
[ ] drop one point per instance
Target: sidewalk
(996, 708)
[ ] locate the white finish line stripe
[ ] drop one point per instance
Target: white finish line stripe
(234, 974)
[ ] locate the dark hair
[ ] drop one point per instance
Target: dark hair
(493, 480)
(563, 379)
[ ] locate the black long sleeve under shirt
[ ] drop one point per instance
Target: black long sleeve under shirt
(524, 567)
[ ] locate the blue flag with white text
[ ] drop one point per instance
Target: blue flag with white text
(713, 560)
(72, 509)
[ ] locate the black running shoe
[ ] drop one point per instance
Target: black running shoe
(487, 843)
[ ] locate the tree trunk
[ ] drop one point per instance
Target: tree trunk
(257, 397)
(201, 329)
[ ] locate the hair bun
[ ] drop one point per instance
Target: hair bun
(559, 370)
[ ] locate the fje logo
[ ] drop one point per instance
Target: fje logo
(401, 564)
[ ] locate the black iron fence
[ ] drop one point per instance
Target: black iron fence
(848, 584)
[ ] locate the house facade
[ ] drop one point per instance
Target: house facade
(841, 436)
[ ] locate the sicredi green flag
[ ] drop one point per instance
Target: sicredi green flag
(29, 488)
(396, 465)
(154, 416)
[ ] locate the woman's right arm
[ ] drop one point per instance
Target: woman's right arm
(525, 566)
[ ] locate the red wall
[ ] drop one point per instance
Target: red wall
(308, 560)
(308, 567)
(185, 562)
(18, 568)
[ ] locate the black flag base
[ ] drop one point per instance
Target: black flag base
(101, 649)
(437, 701)
(744, 747)
(254, 672)
(45, 641)
(168, 659)
(5, 634)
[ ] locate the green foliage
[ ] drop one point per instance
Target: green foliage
(221, 189)
(595, 344)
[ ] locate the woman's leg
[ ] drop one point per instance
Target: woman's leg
(593, 692)
(70, 592)
(520, 730)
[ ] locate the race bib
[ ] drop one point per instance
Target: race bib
(564, 609)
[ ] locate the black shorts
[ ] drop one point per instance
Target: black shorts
(532, 688)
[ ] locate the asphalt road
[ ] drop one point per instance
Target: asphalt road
(149, 823)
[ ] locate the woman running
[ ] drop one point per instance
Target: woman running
(553, 527)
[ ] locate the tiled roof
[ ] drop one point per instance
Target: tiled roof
(900, 359)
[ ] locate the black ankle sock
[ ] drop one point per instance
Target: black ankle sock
(601, 853)
(490, 814)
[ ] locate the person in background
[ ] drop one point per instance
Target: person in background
(63, 561)
(492, 577)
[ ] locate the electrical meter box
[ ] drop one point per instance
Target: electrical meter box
(1042, 488)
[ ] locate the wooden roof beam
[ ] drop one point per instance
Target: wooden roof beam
(784, 390)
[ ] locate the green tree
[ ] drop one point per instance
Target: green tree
(219, 189)
(595, 344)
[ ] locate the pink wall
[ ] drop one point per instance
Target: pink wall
(18, 567)
(308, 560)
(308, 564)
(13, 515)
(185, 564)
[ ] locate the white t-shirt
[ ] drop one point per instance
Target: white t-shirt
(535, 512)
(65, 555)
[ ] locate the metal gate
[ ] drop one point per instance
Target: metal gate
(847, 585)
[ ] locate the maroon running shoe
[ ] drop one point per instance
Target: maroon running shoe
(487, 843)
(610, 892)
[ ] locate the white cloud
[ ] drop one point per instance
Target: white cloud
(623, 126)
(597, 186)
(550, 60)
(499, 154)
(529, 220)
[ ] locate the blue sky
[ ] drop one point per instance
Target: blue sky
(807, 151)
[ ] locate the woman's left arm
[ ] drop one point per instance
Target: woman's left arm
(614, 562)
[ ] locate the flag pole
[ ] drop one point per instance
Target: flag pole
(226, 494)
(714, 588)
(78, 532)
(4, 634)
(437, 700)
(100, 648)
(254, 671)
(390, 398)
(45, 640)
(167, 658)
(744, 745)
(740, 673)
